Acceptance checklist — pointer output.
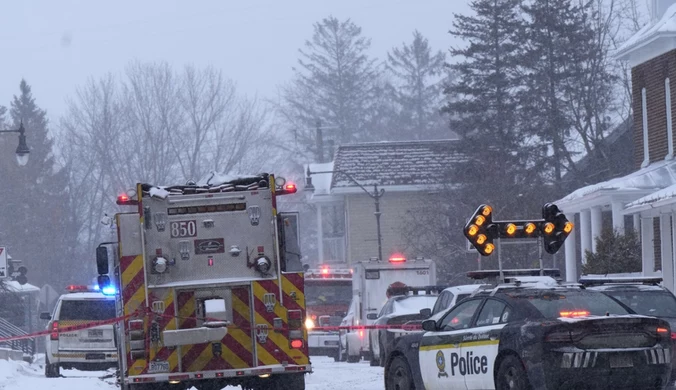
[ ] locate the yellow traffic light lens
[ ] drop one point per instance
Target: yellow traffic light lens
(529, 228)
(480, 219)
(568, 227)
(510, 229)
(549, 228)
(486, 211)
(489, 248)
(473, 230)
(480, 239)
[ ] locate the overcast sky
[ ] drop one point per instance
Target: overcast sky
(57, 45)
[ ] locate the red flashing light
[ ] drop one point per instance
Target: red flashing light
(574, 313)
(123, 199)
(296, 344)
(662, 330)
(397, 258)
(673, 335)
(361, 334)
(325, 271)
(76, 288)
(291, 188)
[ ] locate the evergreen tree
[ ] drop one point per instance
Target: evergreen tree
(35, 203)
(484, 110)
(615, 253)
(416, 91)
(557, 40)
(336, 83)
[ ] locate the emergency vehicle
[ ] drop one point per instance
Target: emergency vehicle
(328, 292)
(211, 288)
(370, 282)
(84, 349)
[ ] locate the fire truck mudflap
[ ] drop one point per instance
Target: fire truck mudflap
(216, 297)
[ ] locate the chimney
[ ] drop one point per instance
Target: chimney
(658, 8)
(320, 142)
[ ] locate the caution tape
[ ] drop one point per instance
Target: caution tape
(141, 312)
(71, 328)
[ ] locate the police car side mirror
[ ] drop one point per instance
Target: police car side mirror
(102, 260)
(426, 312)
(429, 325)
(45, 316)
(372, 316)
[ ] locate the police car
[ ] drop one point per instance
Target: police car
(533, 336)
(643, 295)
(87, 349)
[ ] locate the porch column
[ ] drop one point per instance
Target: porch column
(585, 234)
(571, 257)
(647, 250)
(618, 216)
(320, 235)
(596, 223)
(667, 253)
(637, 222)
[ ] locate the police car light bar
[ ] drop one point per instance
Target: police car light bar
(404, 290)
(494, 274)
(599, 281)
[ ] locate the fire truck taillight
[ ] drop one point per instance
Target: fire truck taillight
(55, 331)
(297, 344)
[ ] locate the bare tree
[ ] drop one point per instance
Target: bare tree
(153, 125)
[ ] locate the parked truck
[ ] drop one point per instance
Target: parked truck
(211, 288)
(370, 282)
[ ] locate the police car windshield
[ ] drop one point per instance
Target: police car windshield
(94, 310)
(649, 303)
(324, 292)
(554, 304)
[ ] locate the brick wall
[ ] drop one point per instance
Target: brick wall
(651, 76)
(361, 228)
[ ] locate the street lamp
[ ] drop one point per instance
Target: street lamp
(22, 150)
(376, 195)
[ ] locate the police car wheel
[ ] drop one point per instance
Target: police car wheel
(51, 370)
(511, 375)
(398, 375)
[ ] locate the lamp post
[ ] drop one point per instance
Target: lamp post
(22, 150)
(376, 195)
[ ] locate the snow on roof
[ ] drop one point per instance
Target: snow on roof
(13, 285)
(214, 178)
(666, 25)
(322, 181)
(663, 194)
(395, 163)
(656, 176)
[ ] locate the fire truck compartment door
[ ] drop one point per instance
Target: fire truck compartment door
(201, 335)
(129, 229)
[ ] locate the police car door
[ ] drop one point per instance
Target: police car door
(480, 345)
(440, 351)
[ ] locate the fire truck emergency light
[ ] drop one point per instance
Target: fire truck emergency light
(397, 258)
(286, 189)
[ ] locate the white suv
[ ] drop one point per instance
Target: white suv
(87, 349)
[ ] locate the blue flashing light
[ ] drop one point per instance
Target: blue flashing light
(109, 290)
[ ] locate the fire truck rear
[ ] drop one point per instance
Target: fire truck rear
(210, 287)
(328, 292)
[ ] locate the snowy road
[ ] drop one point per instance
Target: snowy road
(327, 375)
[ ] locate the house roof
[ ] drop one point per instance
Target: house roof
(665, 195)
(652, 178)
(664, 27)
(413, 163)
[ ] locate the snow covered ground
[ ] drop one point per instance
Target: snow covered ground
(327, 375)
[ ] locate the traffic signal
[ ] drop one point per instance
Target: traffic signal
(480, 230)
(555, 229)
(518, 229)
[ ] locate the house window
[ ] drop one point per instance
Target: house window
(644, 109)
(670, 131)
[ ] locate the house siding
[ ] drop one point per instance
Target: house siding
(362, 232)
(651, 76)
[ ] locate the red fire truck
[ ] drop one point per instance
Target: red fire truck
(211, 288)
(328, 292)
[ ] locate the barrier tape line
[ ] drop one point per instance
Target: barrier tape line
(71, 328)
(147, 311)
